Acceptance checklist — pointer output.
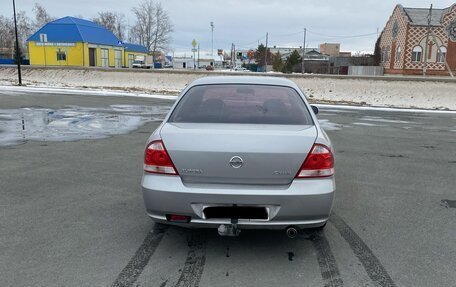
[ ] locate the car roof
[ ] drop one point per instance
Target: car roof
(254, 80)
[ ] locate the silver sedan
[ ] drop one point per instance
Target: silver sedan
(240, 152)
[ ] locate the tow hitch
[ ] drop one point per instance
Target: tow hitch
(229, 229)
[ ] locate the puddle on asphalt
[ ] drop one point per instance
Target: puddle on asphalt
(73, 122)
(327, 125)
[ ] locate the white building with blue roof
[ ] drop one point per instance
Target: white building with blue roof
(71, 41)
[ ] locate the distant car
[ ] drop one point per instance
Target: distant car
(209, 68)
(138, 64)
(241, 69)
(240, 152)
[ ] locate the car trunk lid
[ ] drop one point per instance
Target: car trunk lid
(237, 153)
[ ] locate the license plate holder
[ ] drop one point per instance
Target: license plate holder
(236, 212)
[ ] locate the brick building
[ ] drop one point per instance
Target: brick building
(403, 41)
(330, 49)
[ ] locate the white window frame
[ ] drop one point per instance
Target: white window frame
(417, 54)
(118, 58)
(441, 56)
(131, 59)
(104, 60)
(398, 54)
(61, 55)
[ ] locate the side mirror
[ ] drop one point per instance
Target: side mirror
(315, 109)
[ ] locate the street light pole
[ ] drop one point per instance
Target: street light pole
(429, 17)
(194, 43)
(212, 39)
(18, 60)
(303, 67)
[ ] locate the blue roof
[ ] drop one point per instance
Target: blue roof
(71, 29)
(134, 48)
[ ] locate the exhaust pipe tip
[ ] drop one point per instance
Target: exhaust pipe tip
(291, 232)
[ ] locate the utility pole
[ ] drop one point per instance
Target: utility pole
(212, 39)
(303, 67)
(198, 55)
(427, 41)
(18, 53)
(234, 55)
(266, 54)
(440, 52)
(231, 66)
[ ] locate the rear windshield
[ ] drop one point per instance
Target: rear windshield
(246, 104)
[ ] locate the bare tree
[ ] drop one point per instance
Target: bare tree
(162, 31)
(42, 17)
(6, 32)
(135, 35)
(153, 26)
(114, 22)
(24, 27)
(142, 30)
(24, 30)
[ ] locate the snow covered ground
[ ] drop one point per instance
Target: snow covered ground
(404, 93)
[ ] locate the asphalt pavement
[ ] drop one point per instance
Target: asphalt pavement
(72, 212)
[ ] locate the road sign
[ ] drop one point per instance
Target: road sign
(194, 43)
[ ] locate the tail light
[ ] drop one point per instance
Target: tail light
(157, 160)
(319, 163)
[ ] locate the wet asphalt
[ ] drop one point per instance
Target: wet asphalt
(71, 212)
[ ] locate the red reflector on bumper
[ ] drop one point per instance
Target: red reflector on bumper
(178, 218)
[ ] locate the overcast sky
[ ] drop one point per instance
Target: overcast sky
(245, 22)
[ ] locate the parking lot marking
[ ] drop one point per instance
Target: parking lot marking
(371, 264)
(135, 266)
(196, 258)
(326, 261)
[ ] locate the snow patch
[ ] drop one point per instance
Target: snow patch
(383, 120)
(367, 125)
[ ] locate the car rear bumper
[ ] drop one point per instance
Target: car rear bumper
(304, 203)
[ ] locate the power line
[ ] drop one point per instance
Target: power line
(286, 35)
(248, 44)
(340, 36)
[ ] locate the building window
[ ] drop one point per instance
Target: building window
(61, 55)
(441, 55)
(398, 54)
(387, 54)
(382, 55)
(417, 54)
(131, 59)
(104, 58)
(118, 58)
